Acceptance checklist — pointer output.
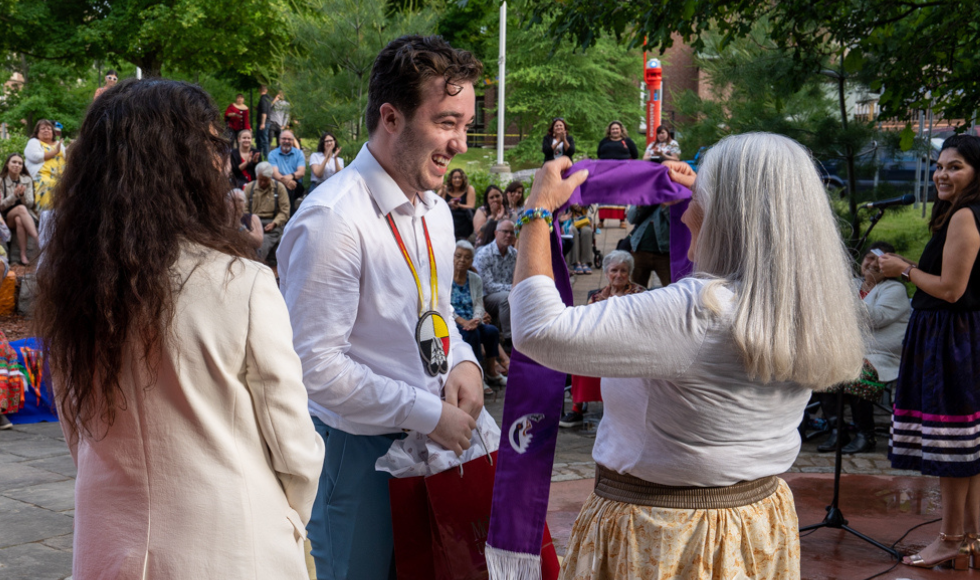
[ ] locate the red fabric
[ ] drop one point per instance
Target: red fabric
(611, 212)
(586, 389)
(236, 119)
(440, 524)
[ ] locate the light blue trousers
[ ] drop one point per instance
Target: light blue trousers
(350, 529)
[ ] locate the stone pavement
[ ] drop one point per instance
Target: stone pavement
(37, 503)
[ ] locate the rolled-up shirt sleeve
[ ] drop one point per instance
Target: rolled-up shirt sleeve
(648, 335)
(320, 280)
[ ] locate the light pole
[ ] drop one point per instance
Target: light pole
(500, 166)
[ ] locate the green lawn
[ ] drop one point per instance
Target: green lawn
(475, 159)
(906, 229)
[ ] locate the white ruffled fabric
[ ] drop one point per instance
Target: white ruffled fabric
(418, 455)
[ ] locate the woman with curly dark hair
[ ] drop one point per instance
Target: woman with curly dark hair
(557, 141)
(171, 354)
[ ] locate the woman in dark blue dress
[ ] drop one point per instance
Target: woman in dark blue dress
(936, 421)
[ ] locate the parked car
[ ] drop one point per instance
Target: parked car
(895, 169)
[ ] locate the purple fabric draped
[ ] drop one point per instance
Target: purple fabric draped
(533, 403)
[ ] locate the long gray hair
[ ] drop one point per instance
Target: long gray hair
(768, 234)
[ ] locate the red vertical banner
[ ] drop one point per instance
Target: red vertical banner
(653, 76)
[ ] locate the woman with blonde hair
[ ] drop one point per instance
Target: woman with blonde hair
(704, 381)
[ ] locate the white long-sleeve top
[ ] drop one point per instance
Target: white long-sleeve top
(888, 314)
(33, 156)
(679, 407)
(353, 301)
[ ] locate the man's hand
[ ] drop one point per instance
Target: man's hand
(269, 226)
(261, 126)
(680, 172)
(289, 182)
(550, 191)
(454, 430)
(464, 388)
(487, 319)
(472, 324)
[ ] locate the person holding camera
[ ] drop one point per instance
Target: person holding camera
(888, 317)
(17, 204)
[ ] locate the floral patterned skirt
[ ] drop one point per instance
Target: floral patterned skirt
(613, 540)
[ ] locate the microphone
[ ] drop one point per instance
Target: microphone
(907, 199)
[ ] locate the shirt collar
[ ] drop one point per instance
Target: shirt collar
(383, 188)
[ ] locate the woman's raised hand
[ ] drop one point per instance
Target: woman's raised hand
(680, 173)
(550, 191)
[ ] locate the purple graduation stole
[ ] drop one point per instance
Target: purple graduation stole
(533, 403)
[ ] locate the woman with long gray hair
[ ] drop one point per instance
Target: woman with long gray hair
(705, 380)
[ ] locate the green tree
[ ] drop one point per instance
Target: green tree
(889, 45)
(587, 88)
(746, 94)
(337, 41)
(212, 36)
(51, 90)
(919, 53)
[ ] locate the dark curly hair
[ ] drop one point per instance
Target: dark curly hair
(142, 178)
(486, 198)
(968, 146)
(402, 68)
(449, 183)
(551, 127)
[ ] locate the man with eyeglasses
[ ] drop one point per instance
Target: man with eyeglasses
(495, 263)
(111, 78)
(289, 167)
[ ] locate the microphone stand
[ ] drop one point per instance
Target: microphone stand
(835, 517)
(871, 225)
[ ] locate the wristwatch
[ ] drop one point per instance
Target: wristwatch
(905, 274)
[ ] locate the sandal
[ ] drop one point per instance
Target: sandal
(579, 269)
(586, 270)
(959, 561)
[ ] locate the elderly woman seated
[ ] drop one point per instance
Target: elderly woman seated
(888, 317)
(467, 301)
(247, 224)
(618, 267)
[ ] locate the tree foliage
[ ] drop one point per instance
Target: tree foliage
(588, 88)
(748, 93)
(243, 36)
(337, 41)
(908, 49)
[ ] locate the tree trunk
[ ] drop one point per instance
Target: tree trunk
(849, 155)
(25, 71)
(150, 64)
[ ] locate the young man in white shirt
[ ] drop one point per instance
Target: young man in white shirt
(369, 307)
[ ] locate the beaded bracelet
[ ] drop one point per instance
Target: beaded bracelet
(533, 214)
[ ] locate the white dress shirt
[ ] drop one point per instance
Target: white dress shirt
(353, 302)
(679, 407)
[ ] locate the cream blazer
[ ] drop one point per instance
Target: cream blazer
(211, 468)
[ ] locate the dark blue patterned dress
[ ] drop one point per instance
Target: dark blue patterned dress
(936, 421)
